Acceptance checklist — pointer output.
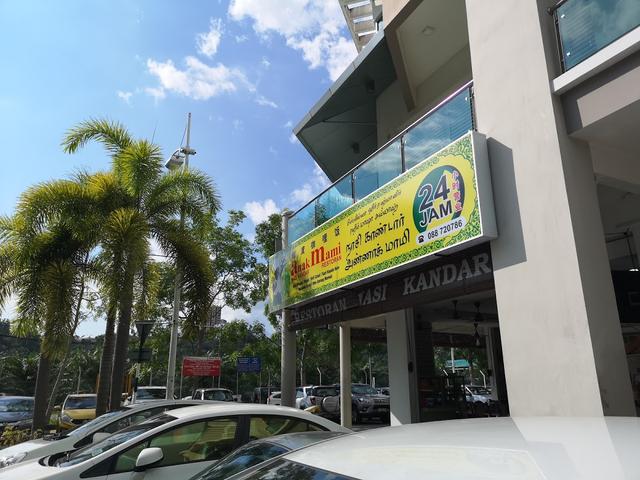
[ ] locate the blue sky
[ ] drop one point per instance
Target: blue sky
(248, 70)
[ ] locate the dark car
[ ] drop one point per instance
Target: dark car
(16, 410)
(366, 402)
(261, 394)
(259, 451)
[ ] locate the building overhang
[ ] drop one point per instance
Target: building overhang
(340, 130)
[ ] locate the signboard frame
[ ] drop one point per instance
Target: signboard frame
(473, 222)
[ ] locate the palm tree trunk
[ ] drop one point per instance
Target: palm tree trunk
(122, 338)
(106, 361)
(40, 420)
(63, 363)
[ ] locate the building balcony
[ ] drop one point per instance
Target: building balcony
(584, 27)
(448, 121)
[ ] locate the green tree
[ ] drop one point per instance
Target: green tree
(139, 203)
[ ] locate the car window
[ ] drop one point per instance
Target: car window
(16, 405)
(151, 394)
(286, 470)
(195, 442)
(270, 425)
(363, 390)
(136, 417)
(113, 441)
(241, 459)
(78, 403)
(324, 392)
(102, 419)
(220, 395)
(299, 394)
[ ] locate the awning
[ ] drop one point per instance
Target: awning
(341, 129)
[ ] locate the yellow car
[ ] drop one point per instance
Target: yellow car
(76, 410)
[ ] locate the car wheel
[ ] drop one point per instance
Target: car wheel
(355, 415)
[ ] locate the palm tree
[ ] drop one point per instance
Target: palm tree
(141, 203)
(42, 263)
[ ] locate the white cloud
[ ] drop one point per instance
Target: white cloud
(157, 93)
(293, 138)
(256, 314)
(208, 42)
(197, 80)
(237, 124)
(265, 62)
(258, 212)
(265, 102)
(311, 26)
(273, 151)
(241, 38)
(125, 96)
(289, 124)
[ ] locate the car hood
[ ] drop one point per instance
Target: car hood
(9, 417)
(28, 470)
(27, 446)
(81, 413)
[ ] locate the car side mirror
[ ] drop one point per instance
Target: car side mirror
(99, 436)
(148, 458)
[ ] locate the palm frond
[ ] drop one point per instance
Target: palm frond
(112, 135)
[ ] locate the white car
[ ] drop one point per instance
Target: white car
(533, 448)
(173, 445)
(275, 398)
(92, 431)
(302, 394)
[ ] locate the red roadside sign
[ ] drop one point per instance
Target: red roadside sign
(200, 367)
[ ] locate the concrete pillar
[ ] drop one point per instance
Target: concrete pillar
(561, 337)
(288, 339)
(345, 375)
(400, 371)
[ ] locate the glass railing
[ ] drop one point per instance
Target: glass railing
(447, 122)
(586, 26)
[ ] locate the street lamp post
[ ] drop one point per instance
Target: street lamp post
(173, 163)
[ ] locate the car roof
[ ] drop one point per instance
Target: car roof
(15, 397)
(213, 389)
(293, 441)
(77, 395)
(149, 387)
(232, 408)
(523, 448)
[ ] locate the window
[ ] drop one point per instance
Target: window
(133, 419)
(241, 459)
(269, 425)
(194, 442)
(219, 395)
(286, 470)
(79, 403)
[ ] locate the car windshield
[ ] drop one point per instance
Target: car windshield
(113, 441)
(80, 403)
(15, 405)
(363, 390)
(325, 392)
(95, 423)
(241, 459)
(220, 395)
(151, 394)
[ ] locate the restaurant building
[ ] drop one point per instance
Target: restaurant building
(485, 160)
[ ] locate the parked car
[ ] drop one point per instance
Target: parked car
(275, 399)
(148, 394)
(260, 394)
(301, 395)
(366, 402)
(16, 411)
(477, 394)
(77, 409)
(176, 444)
(218, 394)
(384, 391)
(314, 395)
(489, 448)
(93, 431)
(250, 456)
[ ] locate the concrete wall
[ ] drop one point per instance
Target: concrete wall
(392, 113)
(561, 336)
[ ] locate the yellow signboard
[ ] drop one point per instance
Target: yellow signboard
(441, 204)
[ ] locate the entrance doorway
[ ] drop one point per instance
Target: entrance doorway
(458, 357)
